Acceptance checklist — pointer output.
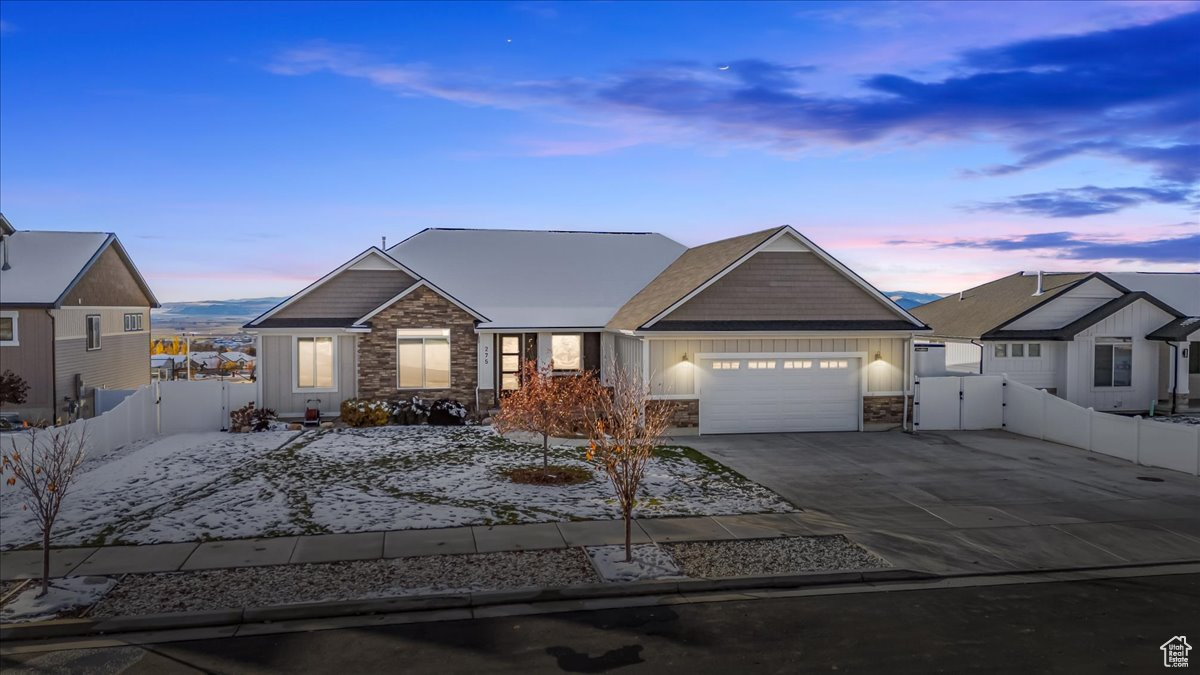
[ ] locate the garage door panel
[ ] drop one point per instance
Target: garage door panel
(778, 399)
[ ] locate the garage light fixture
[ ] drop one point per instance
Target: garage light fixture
(878, 356)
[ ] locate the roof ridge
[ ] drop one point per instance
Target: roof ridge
(526, 229)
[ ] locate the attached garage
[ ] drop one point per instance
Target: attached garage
(756, 393)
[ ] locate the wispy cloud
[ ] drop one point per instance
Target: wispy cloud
(1071, 246)
(1086, 201)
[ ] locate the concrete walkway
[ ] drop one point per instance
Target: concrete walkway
(108, 560)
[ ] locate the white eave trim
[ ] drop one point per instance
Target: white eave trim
(815, 250)
(374, 250)
(800, 334)
(427, 284)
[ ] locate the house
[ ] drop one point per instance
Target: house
(1114, 342)
(168, 366)
(205, 360)
(74, 317)
(761, 332)
(236, 361)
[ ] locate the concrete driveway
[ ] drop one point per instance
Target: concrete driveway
(950, 502)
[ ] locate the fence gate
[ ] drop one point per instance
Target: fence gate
(951, 403)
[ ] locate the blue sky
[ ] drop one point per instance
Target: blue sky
(243, 149)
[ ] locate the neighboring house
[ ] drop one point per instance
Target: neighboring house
(207, 360)
(762, 332)
(74, 317)
(236, 361)
(1118, 341)
(168, 366)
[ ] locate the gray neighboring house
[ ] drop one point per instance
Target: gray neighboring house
(760, 332)
(74, 317)
(1120, 341)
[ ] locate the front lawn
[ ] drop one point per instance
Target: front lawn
(224, 486)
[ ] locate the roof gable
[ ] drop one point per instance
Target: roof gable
(338, 298)
(976, 311)
(46, 266)
(714, 281)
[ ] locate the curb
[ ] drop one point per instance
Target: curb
(59, 628)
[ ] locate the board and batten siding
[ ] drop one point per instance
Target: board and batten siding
(1065, 308)
(628, 352)
(1039, 372)
(32, 358)
(671, 376)
(275, 372)
(1134, 321)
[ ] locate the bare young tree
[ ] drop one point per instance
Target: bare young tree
(45, 471)
(625, 426)
(547, 404)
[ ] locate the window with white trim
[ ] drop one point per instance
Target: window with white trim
(790, 364)
(1112, 363)
(133, 322)
(566, 351)
(1000, 350)
(1035, 350)
(726, 365)
(92, 324)
(423, 358)
(761, 365)
(835, 364)
(9, 336)
(314, 363)
(1017, 350)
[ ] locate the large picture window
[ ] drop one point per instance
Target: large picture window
(566, 351)
(314, 363)
(1112, 365)
(93, 331)
(423, 359)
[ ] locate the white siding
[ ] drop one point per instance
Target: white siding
(671, 376)
(962, 357)
(629, 354)
(1134, 321)
(1041, 373)
(1067, 307)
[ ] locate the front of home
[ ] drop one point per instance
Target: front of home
(74, 318)
(762, 332)
(1113, 342)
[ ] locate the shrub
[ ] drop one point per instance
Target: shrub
(413, 411)
(447, 412)
(249, 418)
(358, 412)
(13, 388)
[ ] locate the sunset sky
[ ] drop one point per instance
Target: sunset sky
(244, 149)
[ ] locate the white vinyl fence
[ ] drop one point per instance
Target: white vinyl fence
(159, 408)
(996, 402)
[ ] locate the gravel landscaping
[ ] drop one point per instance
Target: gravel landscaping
(755, 557)
(205, 486)
(289, 584)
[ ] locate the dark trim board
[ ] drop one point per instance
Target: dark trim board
(818, 325)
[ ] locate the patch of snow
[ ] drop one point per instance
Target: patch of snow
(64, 595)
(649, 562)
(215, 485)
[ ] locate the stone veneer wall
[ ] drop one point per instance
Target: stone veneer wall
(685, 413)
(422, 308)
(879, 409)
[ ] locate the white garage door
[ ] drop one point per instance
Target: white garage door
(773, 394)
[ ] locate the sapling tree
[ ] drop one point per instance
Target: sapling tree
(44, 471)
(547, 404)
(625, 426)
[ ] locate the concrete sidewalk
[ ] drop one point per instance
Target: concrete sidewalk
(108, 560)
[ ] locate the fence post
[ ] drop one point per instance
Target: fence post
(1137, 438)
(1045, 404)
(916, 403)
(1091, 428)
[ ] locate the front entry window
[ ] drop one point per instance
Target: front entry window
(566, 351)
(423, 359)
(1113, 362)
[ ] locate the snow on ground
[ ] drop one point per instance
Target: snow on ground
(161, 490)
(649, 562)
(64, 596)
(223, 486)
